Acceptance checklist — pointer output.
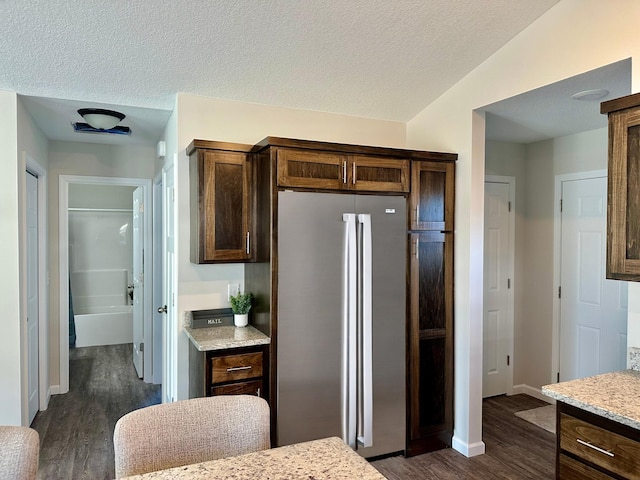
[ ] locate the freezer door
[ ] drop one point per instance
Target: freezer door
(389, 244)
(311, 235)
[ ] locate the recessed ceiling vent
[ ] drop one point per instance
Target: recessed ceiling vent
(81, 127)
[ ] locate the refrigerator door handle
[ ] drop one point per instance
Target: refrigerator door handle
(365, 412)
(349, 334)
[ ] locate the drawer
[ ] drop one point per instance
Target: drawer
(571, 469)
(252, 387)
(236, 367)
(616, 453)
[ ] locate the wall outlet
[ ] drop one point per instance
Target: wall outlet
(233, 289)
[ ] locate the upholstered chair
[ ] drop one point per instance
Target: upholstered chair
(19, 453)
(190, 431)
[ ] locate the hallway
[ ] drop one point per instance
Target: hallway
(76, 431)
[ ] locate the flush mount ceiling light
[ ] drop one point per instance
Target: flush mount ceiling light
(100, 118)
(590, 95)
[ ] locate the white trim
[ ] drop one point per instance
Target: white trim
(158, 255)
(557, 247)
(532, 392)
(63, 253)
(468, 450)
(511, 181)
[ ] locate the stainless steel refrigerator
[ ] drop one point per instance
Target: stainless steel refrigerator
(341, 320)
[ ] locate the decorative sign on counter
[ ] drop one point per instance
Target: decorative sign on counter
(217, 317)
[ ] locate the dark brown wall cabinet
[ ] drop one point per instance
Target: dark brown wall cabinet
(430, 331)
(220, 175)
(623, 205)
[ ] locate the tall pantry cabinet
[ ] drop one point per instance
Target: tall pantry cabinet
(430, 319)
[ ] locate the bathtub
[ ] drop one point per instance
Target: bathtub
(101, 307)
(104, 325)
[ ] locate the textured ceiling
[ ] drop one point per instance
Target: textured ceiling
(373, 58)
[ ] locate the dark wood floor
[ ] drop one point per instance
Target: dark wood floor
(515, 449)
(76, 431)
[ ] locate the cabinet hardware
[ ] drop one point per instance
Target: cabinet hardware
(248, 244)
(594, 447)
(353, 173)
(235, 369)
(418, 248)
(258, 392)
(344, 171)
(418, 214)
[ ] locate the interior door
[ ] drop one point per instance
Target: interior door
(138, 280)
(169, 331)
(593, 310)
(496, 315)
(32, 294)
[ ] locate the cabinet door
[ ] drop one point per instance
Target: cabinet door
(253, 387)
(224, 207)
(431, 335)
(312, 169)
(623, 219)
(374, 174)
(432, 201)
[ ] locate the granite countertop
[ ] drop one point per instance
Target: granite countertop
(615, 396)
(326, 459)
(220, 338)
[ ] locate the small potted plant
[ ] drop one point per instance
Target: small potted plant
(241, 304)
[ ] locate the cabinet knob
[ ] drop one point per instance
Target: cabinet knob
(162, 309)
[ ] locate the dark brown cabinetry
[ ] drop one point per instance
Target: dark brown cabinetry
(594, 447)
(235, 371)
(220, 175)
(623, 205)
(430, 330)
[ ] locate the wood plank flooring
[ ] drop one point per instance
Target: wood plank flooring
(515, 449)
(76, 431)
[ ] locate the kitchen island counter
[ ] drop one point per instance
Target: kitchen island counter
(615, 396)
(327, 459)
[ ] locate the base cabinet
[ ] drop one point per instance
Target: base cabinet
(594, 447)
(234, 371)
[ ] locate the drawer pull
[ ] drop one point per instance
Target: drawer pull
(597, 449)
(235, 369)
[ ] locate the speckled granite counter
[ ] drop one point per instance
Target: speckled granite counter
(326, 459)
(220, 338)
(615, 396)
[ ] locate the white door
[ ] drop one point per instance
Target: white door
(138, 280)
(32, 294)
(170, 334)
(593, 310)
(497, 316)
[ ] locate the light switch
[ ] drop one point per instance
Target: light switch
(233, 289)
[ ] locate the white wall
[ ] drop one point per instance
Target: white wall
(205, 286)
(573, 37)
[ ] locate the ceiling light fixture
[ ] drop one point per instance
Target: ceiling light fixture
(100, 118)
(590, 95)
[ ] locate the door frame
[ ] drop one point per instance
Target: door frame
(158, 258)
(557, 250)
(511, 181)
(63, 257)
(28, 163)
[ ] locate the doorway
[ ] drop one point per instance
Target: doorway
(147, 327)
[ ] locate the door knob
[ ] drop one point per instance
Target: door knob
(162, 309)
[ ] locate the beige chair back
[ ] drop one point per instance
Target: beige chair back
(190, 431)
(19, 453)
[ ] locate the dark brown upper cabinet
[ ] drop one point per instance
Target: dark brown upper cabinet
(221, 202)
(623, 194)
(432, 189)
(340, 171)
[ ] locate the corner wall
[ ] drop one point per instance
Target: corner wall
(573, 37)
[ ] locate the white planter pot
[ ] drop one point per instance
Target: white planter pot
(241, 319)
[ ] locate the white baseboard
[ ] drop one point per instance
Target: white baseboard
(466, 449)
(54, 390)
(532, 392)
